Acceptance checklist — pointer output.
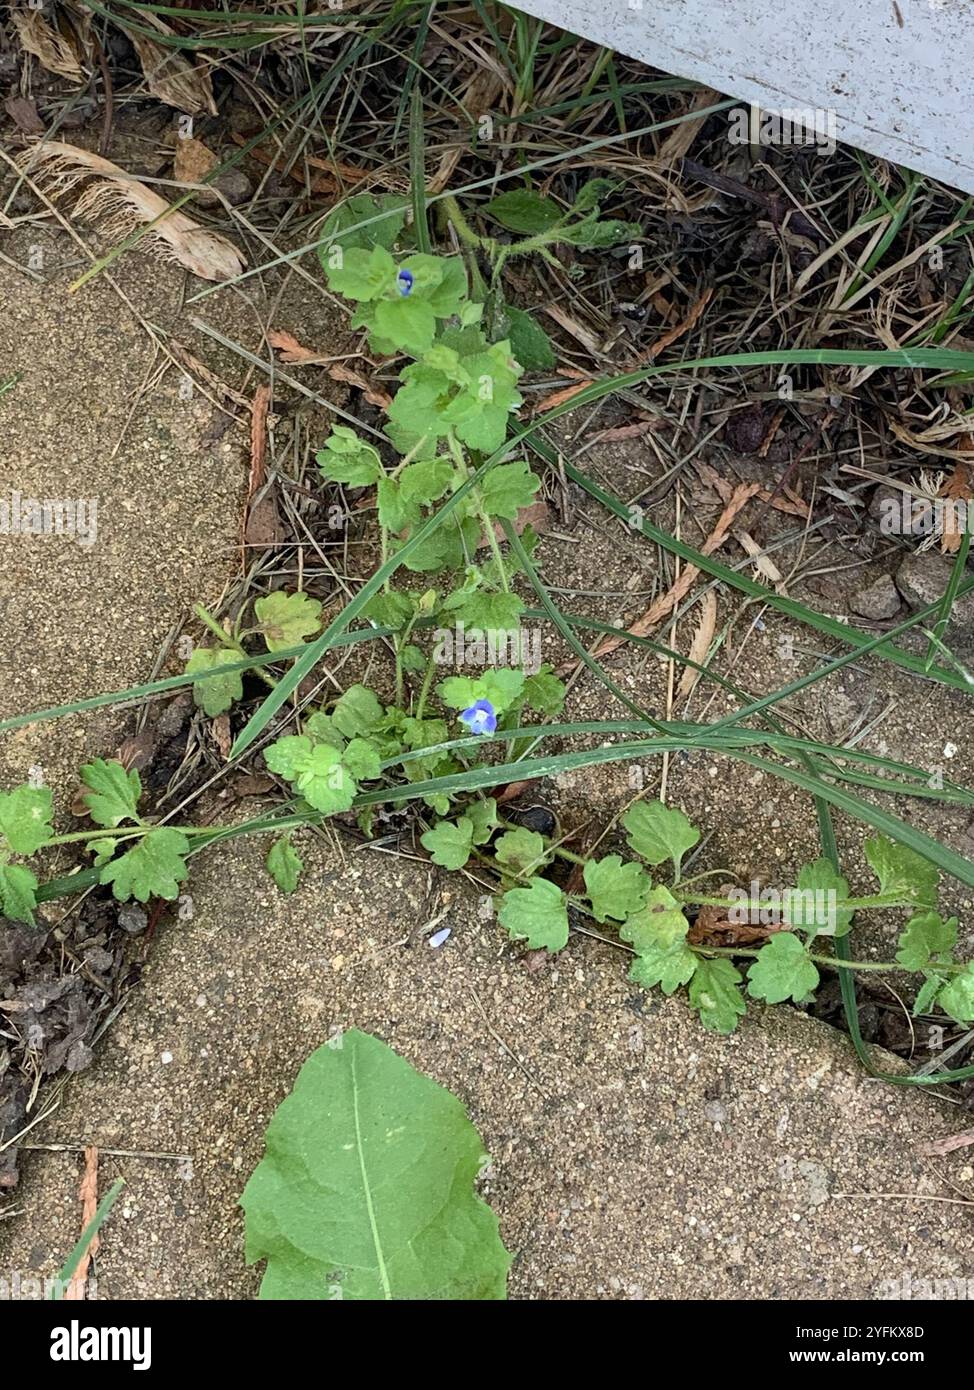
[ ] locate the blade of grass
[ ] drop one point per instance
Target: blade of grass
(950, 597)
(159, 687)
(417, 173)
(70, 1266)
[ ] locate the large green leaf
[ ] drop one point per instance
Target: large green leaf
(366, 1189)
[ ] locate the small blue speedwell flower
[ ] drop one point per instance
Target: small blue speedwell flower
(480, 718)
(404, 282)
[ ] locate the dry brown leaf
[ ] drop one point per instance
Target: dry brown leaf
(23, 113)
(326, 182)
(534, 515)
(127, 204)
(373, 394)
(678, 330)
(88, 1192)
(136, 752)
(514, 789)
(786, 501)
(700, 645)
(295, 355)
(291, 350)
(956, 489)
(192, 160)
(169, 74)
(713, 927)
(252, 784)
(54, 51)
(264, 526)
(633, 431)
(220, 729)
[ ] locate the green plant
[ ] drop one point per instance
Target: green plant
(539, 224)
(366, 1190)
(450, 493)
(652, 919)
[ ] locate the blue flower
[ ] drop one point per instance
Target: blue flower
(404, 282)
(480, 718)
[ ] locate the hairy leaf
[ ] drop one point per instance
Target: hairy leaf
(668, 967)
(660, 924)
(153, 868)
(357, 711)
(113, 794)
(25, 818)
(783, 970)
(284, 864)
(957, 997)
(449, 843)
(520, 849)
(615, 889)
(903, 874)
(657, 832)
(287, 619)
(813, 905)
(537, 914)
(715, 994)
(216, 695)
(520, 210)
(18, 888)
(926, 939)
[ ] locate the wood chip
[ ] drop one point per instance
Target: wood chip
(763, 564)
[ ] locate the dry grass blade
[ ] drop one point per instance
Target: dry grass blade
(763, 564)
(122, 203)
(54, 51)
(643, 626)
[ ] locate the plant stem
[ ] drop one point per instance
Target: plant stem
(833, 962)
(232, 644)
(424, 689)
